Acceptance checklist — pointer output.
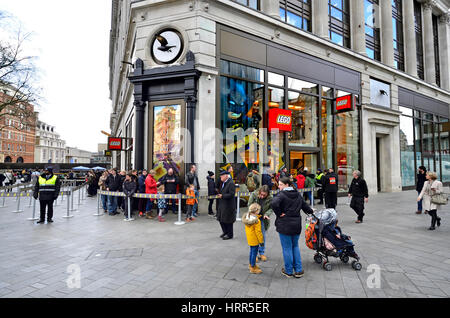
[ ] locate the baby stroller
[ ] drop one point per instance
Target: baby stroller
(326, 238)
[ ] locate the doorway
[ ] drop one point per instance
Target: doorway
(378, 165)
(298, 160)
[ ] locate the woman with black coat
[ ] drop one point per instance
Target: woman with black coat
(211, 191)
(286, 206)
(421, 178)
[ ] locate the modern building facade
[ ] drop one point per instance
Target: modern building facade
(49, 147)
(212, 67)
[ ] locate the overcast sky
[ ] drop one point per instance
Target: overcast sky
(71, 41)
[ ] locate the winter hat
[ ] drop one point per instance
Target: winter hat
(254, 208)
(210, 173)
(224, 172)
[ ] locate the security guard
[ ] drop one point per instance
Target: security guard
(47, 189)
(330, 188)
(319, 176)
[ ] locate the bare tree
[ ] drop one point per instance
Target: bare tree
(18, 90)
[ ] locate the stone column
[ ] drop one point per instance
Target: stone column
(444, 50)
(387, 36)
(410, 38)
(358, 26)
(430, 68)
(320, 18)
(271, 8)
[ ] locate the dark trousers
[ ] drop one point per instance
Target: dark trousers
(320, 195)
(142, 204)
(434, 217)
(330, 200)
(210, 209)
(357, 204)
(227, 229)
(44, 204)
(172, 202)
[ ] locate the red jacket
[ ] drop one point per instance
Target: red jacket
(150, 185)
(301, 181)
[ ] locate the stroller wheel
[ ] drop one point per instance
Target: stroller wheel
(318, 259)
(327, 266)
(356, 265)
(345, 259)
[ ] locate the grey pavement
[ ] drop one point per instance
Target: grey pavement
(145, 258)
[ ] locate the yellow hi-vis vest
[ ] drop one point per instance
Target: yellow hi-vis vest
(47, 185)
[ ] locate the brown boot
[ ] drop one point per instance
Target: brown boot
(419, 212)
(263, 258)
(148, 215)
(255, 270)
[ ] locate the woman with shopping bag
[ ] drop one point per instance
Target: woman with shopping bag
(433, 198)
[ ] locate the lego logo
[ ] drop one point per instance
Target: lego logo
(342, 103)
(115, 143)
(283, 120)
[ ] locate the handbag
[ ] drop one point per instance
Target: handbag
(439, 198)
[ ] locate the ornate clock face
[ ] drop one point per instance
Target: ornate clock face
(167, 46)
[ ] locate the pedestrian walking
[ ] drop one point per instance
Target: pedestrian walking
(141, 189)
(129, 189)
(330, 188)
(192, 178)
(226, 214)
(170, 182)
(431, 188)
(421, 178)
(47, 190)
(359, 193)
(254, 235)
(287, 205)
(151, 187)
(190, 202)
(211, 191)
(263, 198)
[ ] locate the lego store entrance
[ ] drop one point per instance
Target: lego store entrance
(299, 160)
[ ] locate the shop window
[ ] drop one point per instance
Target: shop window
(397, 29)
(276, 97)
(276, 79)
(373, 43)
(304, 120)
(339, 22)
(305, 87)
(327, 92)
(296, 13)
(407, 151)
(347, 147)
(241, 71)
(327, 133)
(444, 130)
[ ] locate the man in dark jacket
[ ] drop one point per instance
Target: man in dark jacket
(129, 189)
(47, 189)
(421, 178)
(319, 180)
(287, 205)
(211, 191)
(226, 213)
(170, 182)
(113, 183)
(359, 193)
(141, 189)
(330, 188)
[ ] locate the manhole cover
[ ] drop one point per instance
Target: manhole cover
(128, 252)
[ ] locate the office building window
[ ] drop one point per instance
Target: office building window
(397, 28)
(339, 22)
(254, 4)
(373, 46)
(419, 40)
(297, 13)
(436, 49)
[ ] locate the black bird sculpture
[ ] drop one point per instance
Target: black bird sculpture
(164, 47)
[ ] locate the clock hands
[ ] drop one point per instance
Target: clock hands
(164, 44)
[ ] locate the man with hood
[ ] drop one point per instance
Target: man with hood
(47, 189)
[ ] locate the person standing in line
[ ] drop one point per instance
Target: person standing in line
(141, 188)
(113, 185)
(254, 235)
(162, 204)
(287, 205)
(309, 184)
(192, 178)
(190, 202)
(47, 190)
(430, 188)
(211, 191)
(102, 186)
(330, 188)
(421, 178)
(263, 198)
(170, 182)
(226, 214)
(121, 200)
(151, 187)
(359, 193)
(318, 179)
(129, 189)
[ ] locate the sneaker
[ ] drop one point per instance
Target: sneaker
(141, 214)
(161, 219)
(299, 274)
(283, 272)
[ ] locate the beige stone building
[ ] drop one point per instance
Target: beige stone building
(230, 65)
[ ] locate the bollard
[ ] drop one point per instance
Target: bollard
(129, 210)
(72, 192)
(18, 204)
(312, 198)
(79, 198)
(98, 205)
(31, 199)
(179, 222)
(4, 198)
(238, 209)
(68, 205)
(34, 218)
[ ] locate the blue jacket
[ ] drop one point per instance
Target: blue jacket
(141, 184)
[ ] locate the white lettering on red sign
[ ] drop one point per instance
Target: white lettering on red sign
(283, 120)
(114, 143)
(342, 102)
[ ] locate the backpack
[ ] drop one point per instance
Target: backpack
(251, 185)
(310, 235)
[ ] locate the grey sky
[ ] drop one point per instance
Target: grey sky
(71, 40)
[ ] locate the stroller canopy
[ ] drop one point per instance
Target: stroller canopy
(326, 216)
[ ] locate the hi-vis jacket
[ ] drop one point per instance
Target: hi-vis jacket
(47, 188)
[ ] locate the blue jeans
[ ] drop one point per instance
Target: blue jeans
(194, 209)
(419, 204)
(104, 199)
(262, 248)
(112, 204)
(291, 253)
(253, 253)
(149, 205)
(310, 195)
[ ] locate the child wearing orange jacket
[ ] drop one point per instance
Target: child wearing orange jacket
(254, 235)
(190, 192)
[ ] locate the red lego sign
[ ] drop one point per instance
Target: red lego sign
(280, 119)
(115, 143)
(345, 103)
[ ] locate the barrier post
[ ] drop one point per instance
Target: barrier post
(312, 198)
(79, 198)
(72, 195)
(98, 205)
(34, 218)
(69, 194)
(179, 222)
(4, 198)
(238, 209)
(31, 199)
(18, 204)
(129, 210)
